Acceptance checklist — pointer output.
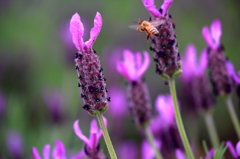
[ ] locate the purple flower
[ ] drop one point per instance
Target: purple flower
(90, 76)
(213, 34)
(58, 151)
(133, 67)
(234, 151)
(149, 4)
(92, 143)
(54, 103)
(164, 46)
(197, 94)
(15, 144)
(127, 149)
(147, 150)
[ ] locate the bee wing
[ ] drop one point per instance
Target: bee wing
(133, 26)
(157, 22)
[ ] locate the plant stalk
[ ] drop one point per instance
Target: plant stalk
(152, 142)
(179, 120)
(106, 137)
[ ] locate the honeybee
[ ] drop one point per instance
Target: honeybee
(148, 27)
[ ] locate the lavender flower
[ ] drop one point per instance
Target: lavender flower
(54, 103)
(164, 46)
(92, 147)
(15, 144)
(132, 68)
(222, 75)
(234, 151)
(167, 132)
(91, 78)
(58, 151)
(197, 93)
(147, 150)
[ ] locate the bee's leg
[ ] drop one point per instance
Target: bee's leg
(148, 36)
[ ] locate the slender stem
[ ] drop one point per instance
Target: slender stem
(233, 116)
(179, 120)
(211, 130)
(152, 142)
(106, 137)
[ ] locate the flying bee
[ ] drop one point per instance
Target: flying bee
(148, 27)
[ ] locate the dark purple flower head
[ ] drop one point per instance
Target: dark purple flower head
(54, 103)
(15, 144)
(58, 151)
(164, 46)
(221, 73)
(197, 93)
(92, 143)
(90, 75)
(133, 67)
(147, 150)
(234, 151)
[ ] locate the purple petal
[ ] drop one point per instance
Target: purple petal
(231, 72)
(79, 133)
(123, 70)
(208, 37)
(216, 31)
(35, 153)
(238, 148)
(210, 154)
(94, 127)
(138, 60)
(80, 155)
(203, 63)
(93, 141)
(180, 154)
(95, 30)
(231, 149)
(144, 66)
(59, 150)
(149, 4)
(46, 151)
(130, 63)
(166, 4)
(77, 30)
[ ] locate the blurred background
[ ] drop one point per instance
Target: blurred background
(39, 97)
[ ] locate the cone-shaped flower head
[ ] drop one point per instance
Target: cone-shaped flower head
(197, 94)
(167, 131)
(133, 68)
(92, 148)
(90, 76)
(147, 150)
(222, 75)
(58, 151)
(234, 151)
(164, 46)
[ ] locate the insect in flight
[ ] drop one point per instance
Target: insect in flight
(148, 27)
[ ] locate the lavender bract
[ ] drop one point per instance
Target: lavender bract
(90, 76)
(164, 46)
(132, 68)
(92, 148)
(234, 151)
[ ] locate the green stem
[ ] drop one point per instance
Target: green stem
(106, 137)
(179, 120)
(211, 130)
(233, 116)
(152, 142)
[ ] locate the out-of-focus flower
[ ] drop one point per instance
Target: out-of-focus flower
(15, 144)
(54, 103)
(133, 68)
(222, 75)
(127, 149)
(92, 143)
(167, 132)
(58, 151)
(90, 76)
(180, 154)
(234, 151)
(197, 94)
(2, 103)
(164, 46)
(147, 150)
